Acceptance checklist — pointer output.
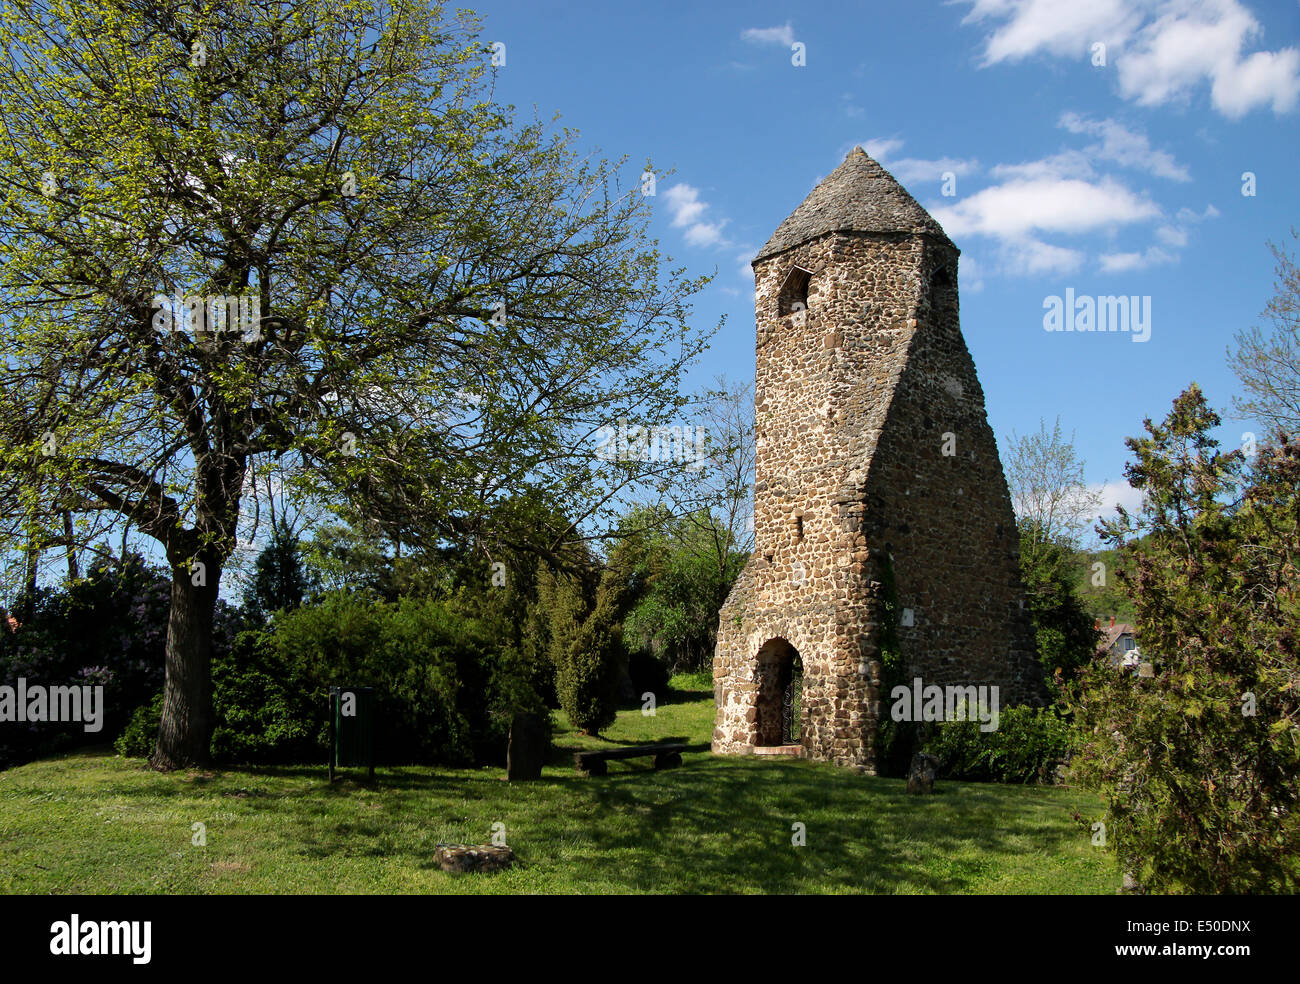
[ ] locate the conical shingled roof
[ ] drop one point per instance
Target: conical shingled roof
(860, 196)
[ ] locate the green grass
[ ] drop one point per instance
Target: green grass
(93, 823)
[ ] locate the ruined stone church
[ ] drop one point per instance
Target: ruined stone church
(881, 514)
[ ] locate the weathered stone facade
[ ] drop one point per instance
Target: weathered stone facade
(875, 465)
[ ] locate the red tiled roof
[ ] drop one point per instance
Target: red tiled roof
(1111, 635)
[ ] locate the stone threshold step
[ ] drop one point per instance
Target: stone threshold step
(795, 750)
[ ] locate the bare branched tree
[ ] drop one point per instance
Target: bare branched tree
(1048, 491)
(1268, 363)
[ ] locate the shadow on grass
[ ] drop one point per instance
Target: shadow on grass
(624, 743)
(727, 826)
(862, 835)
(711, 825)
(562, 752)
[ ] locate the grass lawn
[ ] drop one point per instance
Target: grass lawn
(90, 822)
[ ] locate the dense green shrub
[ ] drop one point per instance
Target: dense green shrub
(444, 691)
(141, 732)
(587, 673)
(107, 628)
(648, 675)
(403, 651)
(1026, 747)
(678, 572)
(262, 714)
(1198, 764)
(1064, 632)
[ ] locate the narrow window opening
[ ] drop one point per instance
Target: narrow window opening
(794, 292)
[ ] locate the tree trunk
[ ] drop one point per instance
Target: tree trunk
(185, 734)
(28, 607)
(72, 550)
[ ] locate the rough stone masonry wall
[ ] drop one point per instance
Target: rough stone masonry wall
(946, 520)
(825, 384)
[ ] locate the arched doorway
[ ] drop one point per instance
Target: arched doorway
(780, 695)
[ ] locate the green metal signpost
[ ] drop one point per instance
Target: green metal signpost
(352, 727)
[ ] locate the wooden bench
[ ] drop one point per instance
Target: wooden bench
(595, 763)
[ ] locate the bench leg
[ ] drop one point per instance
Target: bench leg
(596, 767)
(668, 760)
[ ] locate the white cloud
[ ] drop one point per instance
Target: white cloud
(1019, 207)
(783, 35)
(684, 202)
(1024, 256)
(744, 261)
(1175, 234)
(1171, 235)
(1028, 256)
(882, 149)
(687, 209)
(913, 169)
(705, 233)
(1066, 193)
(1118, 145)
(1066, 164)
(1124, 262)
(1265, 77)
(1161, 50)
(1116, 494)
(1190, 42)
(918, 169)
(1038, 200)
(1124, 147)
(1058, 27)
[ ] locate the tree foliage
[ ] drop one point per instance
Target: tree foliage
(1045, 477)
(1063, 629)
(681, 570)
(1199, 764)
(440, 306)
(106, 628)
(588, 669)
(1100, 590)
(280, 579)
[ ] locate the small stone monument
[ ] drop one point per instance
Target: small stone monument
(473, 857)
(527, 749)
(920, 777)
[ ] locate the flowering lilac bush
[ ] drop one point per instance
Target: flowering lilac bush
(108, 628)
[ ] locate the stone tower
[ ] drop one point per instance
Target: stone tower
(878, 487)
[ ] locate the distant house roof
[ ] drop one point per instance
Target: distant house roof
(1111, 634)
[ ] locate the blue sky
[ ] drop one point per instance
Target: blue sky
(1107, 179)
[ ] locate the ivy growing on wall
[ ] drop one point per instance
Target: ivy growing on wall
(895, 740)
